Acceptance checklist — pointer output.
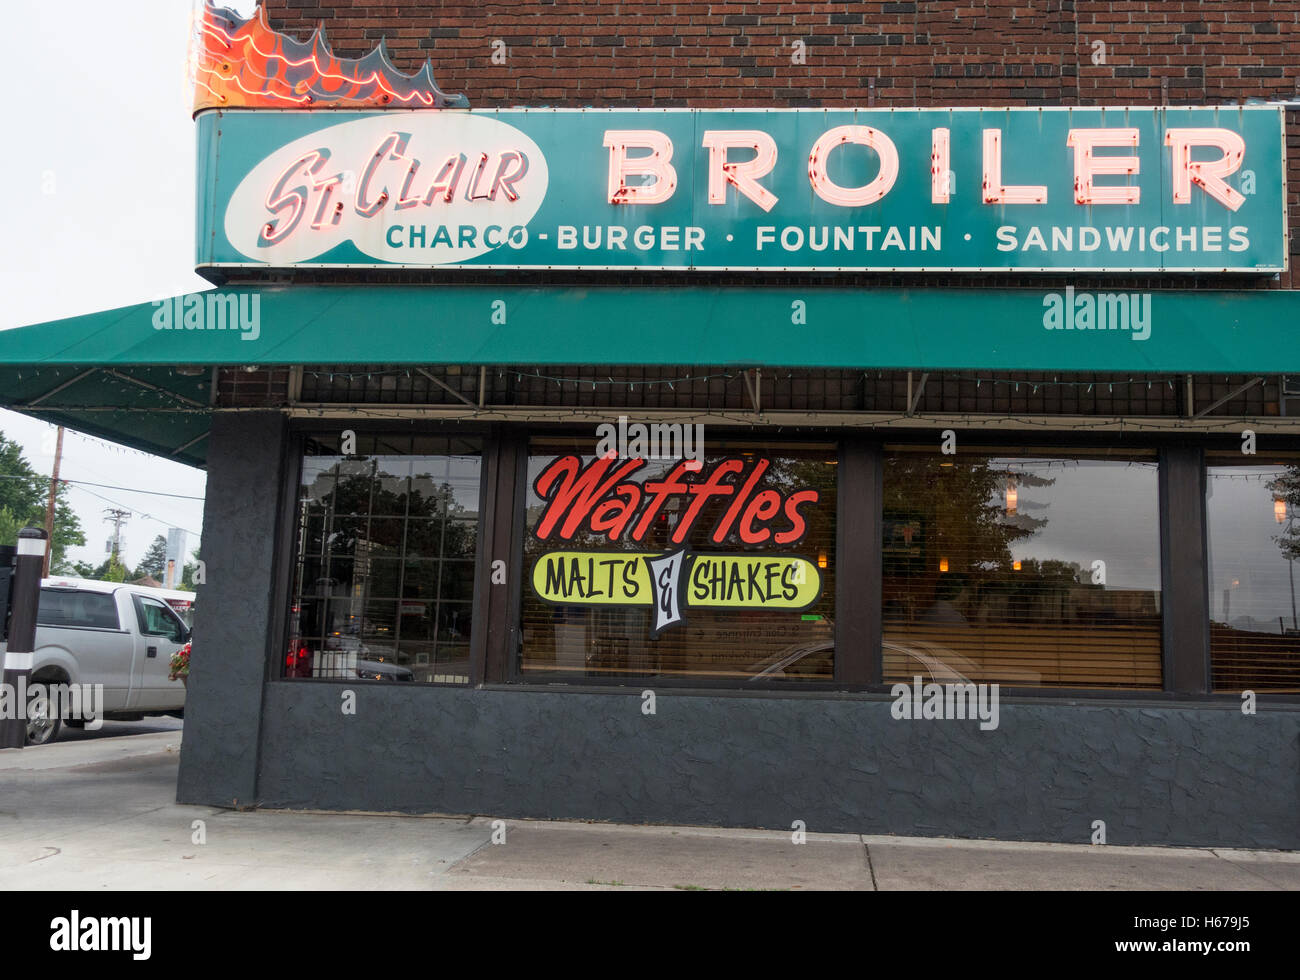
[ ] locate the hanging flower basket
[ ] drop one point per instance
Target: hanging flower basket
(179, 668)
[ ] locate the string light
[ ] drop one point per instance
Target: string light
(979, 380)
(521, 375)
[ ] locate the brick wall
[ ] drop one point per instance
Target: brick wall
(982, 52)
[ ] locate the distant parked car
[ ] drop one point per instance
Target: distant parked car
(344, 658)
(933, 663)
(374, 670)
(121, 636)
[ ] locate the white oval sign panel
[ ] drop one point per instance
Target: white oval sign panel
(418, 188)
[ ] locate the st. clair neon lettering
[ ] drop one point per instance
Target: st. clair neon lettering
(648, 177)
(600, 499)
(287, 196)
(389, 176)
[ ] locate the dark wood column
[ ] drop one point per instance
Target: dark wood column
(1184, 570)
(502, 540)
(858, 564)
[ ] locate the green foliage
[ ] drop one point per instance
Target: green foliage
(963, 504)
(22, 490)
(24, 494)
(1287, 486)
(154, 562)
(84, 569)
(116, 571)
(9, 527)
(187, 583)
(67, 532)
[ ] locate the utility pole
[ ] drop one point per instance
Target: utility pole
(49, 510)
(117, 517)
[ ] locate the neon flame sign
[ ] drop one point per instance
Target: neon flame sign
(243, 64)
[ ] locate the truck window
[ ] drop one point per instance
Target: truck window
(84, 610)
(157, 619)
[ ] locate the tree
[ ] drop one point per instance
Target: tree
(187, 580)
(67, 530)
(84, 569)
(22, 489)
(154, 562)
(9, 527)
(1286, 486)
(24, 494)
(116, 571)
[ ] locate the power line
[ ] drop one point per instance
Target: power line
(140, 513)
(106, 486)
(117, 503)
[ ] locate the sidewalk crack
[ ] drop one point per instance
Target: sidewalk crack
(870, 867)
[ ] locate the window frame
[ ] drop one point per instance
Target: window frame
(139, 601)
(299, 432)
(1213, 456)
(515, 678)
(111, 596)
(494, 663)
(988, 446)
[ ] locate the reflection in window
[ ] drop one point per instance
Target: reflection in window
(384, 574)
(1021, 569)
(1254, 541)
(758, 595)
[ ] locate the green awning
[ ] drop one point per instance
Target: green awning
(149, 408)
(153, 361)
(926, 329)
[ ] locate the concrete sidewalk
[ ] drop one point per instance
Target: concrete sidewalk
(101, 814)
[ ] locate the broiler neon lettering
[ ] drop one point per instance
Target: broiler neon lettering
(658, 180)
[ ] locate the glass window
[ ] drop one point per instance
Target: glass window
(83, 610)
(386, 544)
(157, 619)
(1022, 568)
(720, 567)
(1251, 508)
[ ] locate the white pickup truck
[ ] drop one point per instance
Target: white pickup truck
(120, 636)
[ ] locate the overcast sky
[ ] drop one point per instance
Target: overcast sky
(100, 170)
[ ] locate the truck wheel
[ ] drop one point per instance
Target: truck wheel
(42, 726)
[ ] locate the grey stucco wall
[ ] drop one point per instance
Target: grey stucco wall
(231, 617)
(1164, 775)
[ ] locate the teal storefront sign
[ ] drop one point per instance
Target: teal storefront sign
(1100, 190)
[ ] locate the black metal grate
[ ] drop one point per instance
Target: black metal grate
(729, 389)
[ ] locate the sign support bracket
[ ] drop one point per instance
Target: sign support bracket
(914, 398)
(1242, 389)
(448, 388)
